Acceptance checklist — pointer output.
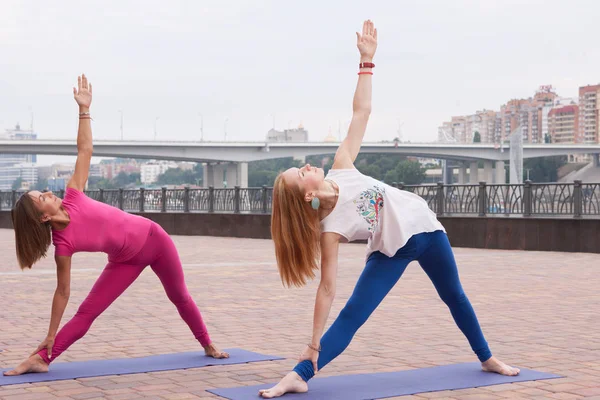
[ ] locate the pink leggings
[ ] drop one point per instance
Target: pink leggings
(160, 253)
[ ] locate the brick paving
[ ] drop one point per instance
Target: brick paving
(538, 310)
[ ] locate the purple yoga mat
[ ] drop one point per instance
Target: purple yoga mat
(391, 384)
(123, 366)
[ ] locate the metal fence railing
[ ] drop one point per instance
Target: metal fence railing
(529, 199)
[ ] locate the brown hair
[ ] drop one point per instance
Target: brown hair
(32, 236)
(296, 231)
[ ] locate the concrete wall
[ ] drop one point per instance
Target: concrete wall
(541, 234)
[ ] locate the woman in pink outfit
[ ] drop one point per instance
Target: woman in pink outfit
(79, 223)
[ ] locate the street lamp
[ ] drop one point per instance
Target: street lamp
(201, 127)
(155, 131)
(225, 129)
(273, 116)
(121, 111)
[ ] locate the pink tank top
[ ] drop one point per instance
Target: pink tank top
(98, 227)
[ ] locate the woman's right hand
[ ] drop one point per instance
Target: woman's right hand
(83, 93)
(47, 344)
(310, 355)
(367, 42)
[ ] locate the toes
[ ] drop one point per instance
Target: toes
(510, 371)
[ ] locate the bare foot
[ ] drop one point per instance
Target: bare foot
(291, 383)
(212, 351)
(497, 366)
(35, 363)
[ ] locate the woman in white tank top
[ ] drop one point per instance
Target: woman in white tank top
(313, 213)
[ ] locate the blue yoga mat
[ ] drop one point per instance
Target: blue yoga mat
(123, 366)
(391, 384)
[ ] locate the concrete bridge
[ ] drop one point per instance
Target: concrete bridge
(231, 158)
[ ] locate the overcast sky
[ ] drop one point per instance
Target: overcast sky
(246, 60)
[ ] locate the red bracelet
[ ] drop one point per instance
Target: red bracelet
(366, 65)
(365, 73)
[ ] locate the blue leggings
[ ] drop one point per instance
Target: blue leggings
(434, 254)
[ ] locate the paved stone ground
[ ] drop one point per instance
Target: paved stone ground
(538, 310)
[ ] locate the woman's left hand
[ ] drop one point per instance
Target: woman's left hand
(83, 93)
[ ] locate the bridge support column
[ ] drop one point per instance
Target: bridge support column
(214, 175)
(447, 173)
(462, 174)
(226, 175)
(500, 173)
(220, 177)
(488, 168)
(208, 175)
(474, 172)
(242, 174)
(596, 160)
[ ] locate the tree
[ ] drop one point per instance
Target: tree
(178, 176)
(42, 184)
(124, 179)
(264, 172)
(378, 166)
(476, 137)
(547, 138)
(406, 171)
(17, 183)
(101, 184)
(372, 170)
(543, 169)
(261, 177)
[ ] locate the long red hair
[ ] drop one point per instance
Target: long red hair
(296, 232)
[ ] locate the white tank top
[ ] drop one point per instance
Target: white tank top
(370, 209)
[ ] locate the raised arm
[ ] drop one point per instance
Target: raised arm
(361, 106)
(325, 294)
(83, 97)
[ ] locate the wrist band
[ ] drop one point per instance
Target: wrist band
(310, 346)
(366, 65)
(365, 73)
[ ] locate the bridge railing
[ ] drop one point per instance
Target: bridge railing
(529, 199)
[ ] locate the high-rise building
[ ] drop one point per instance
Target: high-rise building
(150, 171)
(589, 107)
(496, 126)
(461, 129)
(563, 123)
(95, 171)
(530, 114)
(8, 162)
(445, 133)
(482, 122)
